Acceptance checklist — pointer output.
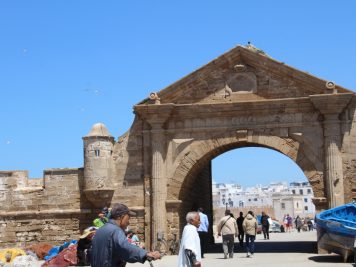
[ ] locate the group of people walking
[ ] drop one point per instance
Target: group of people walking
(229, 228)
(110, 246)
(300, 223)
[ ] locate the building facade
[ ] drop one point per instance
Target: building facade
(279, 198)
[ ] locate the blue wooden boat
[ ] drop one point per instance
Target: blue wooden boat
(337, 230)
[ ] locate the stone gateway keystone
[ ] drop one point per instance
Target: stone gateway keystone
(161, 167)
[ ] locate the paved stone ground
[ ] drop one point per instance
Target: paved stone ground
(282, 250)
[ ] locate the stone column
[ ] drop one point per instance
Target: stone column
(159, 181)
(156, 115)
(333, 160)
(147, 181)
(331, 105)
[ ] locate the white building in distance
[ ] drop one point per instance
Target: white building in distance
(293, 199)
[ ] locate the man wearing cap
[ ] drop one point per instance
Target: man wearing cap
(110, 245)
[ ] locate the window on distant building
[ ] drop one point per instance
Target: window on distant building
(305, 207)
(249, 199)
(283, 206)
(293, 192)
(301, 191)
(97, 152)
(309, 191)
(255, 199)
(305, 200)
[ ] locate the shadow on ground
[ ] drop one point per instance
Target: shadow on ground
(274, 247)
(331, 258)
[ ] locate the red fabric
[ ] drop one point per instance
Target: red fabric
(67, 257)
(40, 249)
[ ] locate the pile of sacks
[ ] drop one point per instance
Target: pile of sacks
(19, 258)
(40, 255)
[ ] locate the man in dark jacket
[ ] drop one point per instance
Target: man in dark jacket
(241, 233)
(265, 225)
(110, 245)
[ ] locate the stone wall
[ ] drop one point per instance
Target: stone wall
(55, 209)
(42, 210)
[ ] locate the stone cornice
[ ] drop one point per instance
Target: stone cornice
(173, 203)
(155, 114)
(331, 103)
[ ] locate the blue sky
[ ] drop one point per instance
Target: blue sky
(65, 65)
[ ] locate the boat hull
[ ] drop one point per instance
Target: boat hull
(336, 230)
(335, 242)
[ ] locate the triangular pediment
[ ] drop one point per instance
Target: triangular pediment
(243, 74)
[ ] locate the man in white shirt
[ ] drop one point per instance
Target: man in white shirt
(189, 252)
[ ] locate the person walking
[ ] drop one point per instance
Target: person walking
(227, 227)
(110, 247)
(241, 233)
(265, 225)
(298, 223)
(203, 231)
(250, 228)
(289, 223)
(190, 250)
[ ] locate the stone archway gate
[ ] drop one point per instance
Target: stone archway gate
(161, 167)
(243, 98)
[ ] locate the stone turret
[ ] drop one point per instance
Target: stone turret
(98, 165)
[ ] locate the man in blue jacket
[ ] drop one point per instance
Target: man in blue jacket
(110, 245)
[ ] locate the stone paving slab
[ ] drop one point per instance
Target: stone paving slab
(282, 250)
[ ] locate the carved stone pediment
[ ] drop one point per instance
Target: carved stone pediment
(242, 74)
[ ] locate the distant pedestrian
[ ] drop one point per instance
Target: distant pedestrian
(298, 223)
(190, 251)
(250, 228)
(203, 231)
(265, 225)
(227, 227)
(285, 222)
(241, 233)
(310, 224)
(289, 223)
